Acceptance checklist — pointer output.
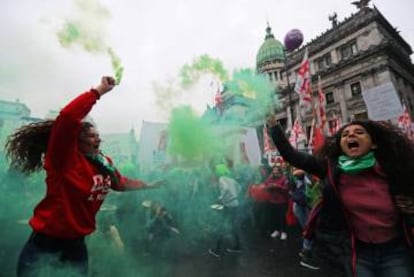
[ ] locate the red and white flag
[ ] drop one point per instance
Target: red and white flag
(321, 107)
(296, 134)
(303, 83)
(405, 123)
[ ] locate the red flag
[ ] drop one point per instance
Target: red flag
(319, 140)
(218, 98)
(296, 133)
(316, 137)
(303, 83)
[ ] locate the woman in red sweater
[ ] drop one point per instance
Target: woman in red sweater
(78, 177)
(278, 186)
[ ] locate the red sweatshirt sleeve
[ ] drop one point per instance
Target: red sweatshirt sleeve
(124, 182)
(63, 142)
(127, 183)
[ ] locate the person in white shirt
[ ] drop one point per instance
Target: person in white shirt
(228, 202)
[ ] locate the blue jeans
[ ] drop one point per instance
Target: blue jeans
(44, 254)
(301, 213)
(390, 259)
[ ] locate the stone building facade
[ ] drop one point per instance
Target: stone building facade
(361, 52)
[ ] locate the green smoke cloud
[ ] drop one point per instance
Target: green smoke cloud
(191, 139)
(259, 93)
(87, 31)
(190, 73)
(165, 95)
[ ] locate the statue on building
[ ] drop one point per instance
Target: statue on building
(334, 19)
(361, 4)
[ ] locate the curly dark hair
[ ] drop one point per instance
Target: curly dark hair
(394, 152)
(25, 148)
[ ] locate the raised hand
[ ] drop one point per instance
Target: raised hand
(271, 120)
(107, 84)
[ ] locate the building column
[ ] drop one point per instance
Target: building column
(342, 103)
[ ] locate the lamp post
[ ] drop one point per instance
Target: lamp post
(293, 39)
(289, 92)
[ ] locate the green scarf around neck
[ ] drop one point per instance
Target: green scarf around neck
(104, 167)
(353, 166)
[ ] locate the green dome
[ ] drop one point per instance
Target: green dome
(271, 49)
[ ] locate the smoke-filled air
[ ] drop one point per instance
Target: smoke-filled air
(137, 138)
(148, 232)
(88, 31)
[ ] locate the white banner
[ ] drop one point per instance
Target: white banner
(243, 144)
(382, 102)
(153, 145)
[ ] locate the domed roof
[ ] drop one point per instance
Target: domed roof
(271, 49)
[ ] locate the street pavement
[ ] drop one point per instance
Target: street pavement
(261, 257)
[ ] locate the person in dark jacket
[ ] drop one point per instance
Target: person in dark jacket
(365, 217)
(78, 178)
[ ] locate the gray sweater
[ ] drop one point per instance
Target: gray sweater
(229, 190)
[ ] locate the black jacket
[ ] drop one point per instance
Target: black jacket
(327, 223)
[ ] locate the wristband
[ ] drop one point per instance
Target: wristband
(96, 92)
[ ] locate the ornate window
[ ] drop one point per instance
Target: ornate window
(348, 50)
(324, 62)
(361, 116)
(356, 89)
(329, 96)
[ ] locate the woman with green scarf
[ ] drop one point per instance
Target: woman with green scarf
(363, 222)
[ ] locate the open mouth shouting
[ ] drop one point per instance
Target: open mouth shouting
(352, 147)
(355, 141)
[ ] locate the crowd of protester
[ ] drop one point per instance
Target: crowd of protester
(216, 207)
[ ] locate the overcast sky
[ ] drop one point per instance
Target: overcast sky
(154, 39)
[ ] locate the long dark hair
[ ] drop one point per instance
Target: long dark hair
(394, 152)
(25, 148)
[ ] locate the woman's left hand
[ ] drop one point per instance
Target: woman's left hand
(156, 184)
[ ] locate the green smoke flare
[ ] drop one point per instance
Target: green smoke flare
(116, 65)
(190, 73)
